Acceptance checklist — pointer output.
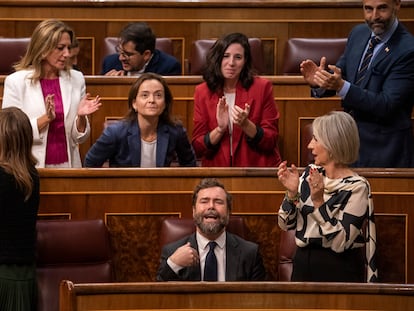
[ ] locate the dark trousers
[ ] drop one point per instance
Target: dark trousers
(314, 263)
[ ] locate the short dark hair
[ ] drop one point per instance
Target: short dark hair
(140, 34)
(210, 183)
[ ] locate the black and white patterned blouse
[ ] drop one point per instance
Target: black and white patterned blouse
(338, 224)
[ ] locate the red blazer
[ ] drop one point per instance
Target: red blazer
(262, 151)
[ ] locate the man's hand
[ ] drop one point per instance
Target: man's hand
(115, 73)
(185, 256)
(328, 80)
(309, 69)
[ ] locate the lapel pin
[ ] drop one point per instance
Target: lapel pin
(387, 49)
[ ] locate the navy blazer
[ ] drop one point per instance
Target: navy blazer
(161, 63)
(382, 104)
(120, 143)
(243, 261)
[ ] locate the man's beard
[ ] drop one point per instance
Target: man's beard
(386, 25)
(210, 228)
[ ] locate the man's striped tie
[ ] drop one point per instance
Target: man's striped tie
(367, 59)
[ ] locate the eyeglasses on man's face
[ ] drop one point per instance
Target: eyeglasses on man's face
(124, 53)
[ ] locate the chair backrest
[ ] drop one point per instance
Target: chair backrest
(75, 250)
(12, 50)
(173, 229)
(162, 44)
(287, 250)
(299, 49)
(201, 47)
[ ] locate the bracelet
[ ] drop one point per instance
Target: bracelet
(293, 200)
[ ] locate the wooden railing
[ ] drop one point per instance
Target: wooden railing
(199, 296)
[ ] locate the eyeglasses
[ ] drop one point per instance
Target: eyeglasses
(124, 53)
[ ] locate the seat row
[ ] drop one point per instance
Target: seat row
(79, 250)
(296, 50)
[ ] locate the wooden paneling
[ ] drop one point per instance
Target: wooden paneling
(276, 20)
(133, 203)
(256, 296)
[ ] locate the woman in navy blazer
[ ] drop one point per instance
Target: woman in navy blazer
(147, 136)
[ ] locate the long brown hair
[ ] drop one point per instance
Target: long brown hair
(16, 140)
(44, 40)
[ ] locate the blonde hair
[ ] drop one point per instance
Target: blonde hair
(16, 140)
(44, 40)
(338, 133)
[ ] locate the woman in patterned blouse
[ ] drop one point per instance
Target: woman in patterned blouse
(330, 207)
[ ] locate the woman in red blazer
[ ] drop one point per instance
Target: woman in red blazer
(235, 116)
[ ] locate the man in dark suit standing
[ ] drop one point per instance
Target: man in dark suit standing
(137, 54)
(376, 85)
(194, 259)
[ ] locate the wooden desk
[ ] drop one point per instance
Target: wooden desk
(199, 296)
(133, 203)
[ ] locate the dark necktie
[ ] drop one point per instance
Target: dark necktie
(367, 59)
(210, 267)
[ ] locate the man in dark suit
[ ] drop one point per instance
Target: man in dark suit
(136, 54)
(377, 92)
(188, 259)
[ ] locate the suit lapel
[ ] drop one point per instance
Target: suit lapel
(357, 50)
(242, 98)
(192, 273)
(382, 54)
(134, 143)
(232, 257)
(387, 48)
(163, 136)
(36, 95)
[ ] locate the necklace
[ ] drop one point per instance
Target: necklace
(149, 138)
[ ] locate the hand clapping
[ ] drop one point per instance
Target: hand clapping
(50, 106)
(240, 116)
(289, 177)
